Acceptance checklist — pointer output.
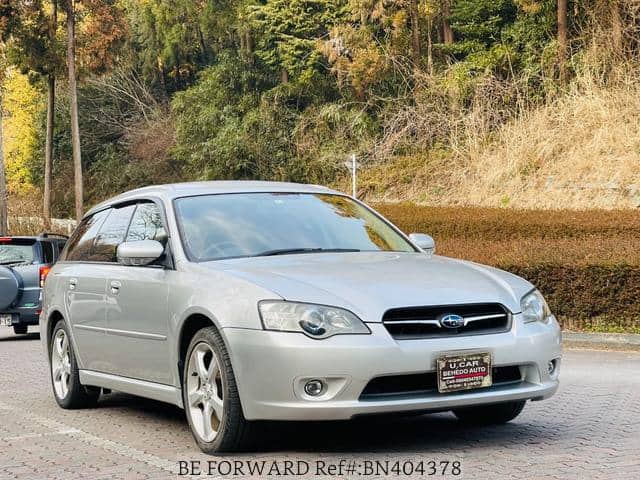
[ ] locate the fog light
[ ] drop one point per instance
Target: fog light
(551, 367)
(314, 388)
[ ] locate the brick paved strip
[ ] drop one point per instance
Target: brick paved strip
(109, 445)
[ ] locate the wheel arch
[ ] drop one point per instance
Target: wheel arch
(191, 325)
(54, 317)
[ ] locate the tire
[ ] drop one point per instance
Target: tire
(65, 377)
(213, 393)
(496, 414)
(20, 329)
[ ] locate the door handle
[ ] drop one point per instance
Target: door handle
(72, 283)
(115, 287)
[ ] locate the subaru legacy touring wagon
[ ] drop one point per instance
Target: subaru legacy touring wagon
(246, 301)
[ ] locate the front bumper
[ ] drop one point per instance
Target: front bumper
(271, 369)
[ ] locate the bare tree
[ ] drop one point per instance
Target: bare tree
(415, 32)
(73, 97)
(563, 39)
(51, 103)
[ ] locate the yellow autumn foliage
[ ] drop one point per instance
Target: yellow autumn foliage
(22, 104)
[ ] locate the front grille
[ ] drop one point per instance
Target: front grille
(424, 322)
(420, 384)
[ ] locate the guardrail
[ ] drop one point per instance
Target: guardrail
(34, 225)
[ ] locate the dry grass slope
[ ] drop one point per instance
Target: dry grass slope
(581, 151)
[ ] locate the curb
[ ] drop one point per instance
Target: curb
(606, 341)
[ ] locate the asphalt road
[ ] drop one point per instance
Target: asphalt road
(590, 429)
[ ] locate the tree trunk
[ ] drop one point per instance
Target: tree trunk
(415, 32)
(162, 76)
(447, 31)
(563, 40)
(284, 76)
(248, 44)
(203, 45)
(4, 197)
(617, 28)
(48, 151)
(430, 47)
(73, 94)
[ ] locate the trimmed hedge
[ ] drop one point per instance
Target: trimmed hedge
(593, 297)
(501, 223)
(587, 264)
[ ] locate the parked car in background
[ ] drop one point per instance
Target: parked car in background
(245, 301)
(25, 263)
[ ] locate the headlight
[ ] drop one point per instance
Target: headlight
(535, 308)
(315, 321)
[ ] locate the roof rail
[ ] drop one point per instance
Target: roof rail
(48, 234)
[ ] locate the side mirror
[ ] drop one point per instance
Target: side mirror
(140, 253)
(425, 242)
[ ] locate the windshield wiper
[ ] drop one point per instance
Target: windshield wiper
(291, 251)
(13, 262)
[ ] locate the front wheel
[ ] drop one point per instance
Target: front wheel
(210, 396)
(65, 377)
(490, 414)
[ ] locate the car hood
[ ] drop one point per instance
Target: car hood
(370, 283)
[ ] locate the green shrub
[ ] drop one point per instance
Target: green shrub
(584, 297)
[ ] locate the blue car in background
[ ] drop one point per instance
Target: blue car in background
(25, 263)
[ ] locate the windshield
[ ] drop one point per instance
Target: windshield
(15, 253)
(214, 227)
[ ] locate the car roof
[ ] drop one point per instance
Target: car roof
(176, 190)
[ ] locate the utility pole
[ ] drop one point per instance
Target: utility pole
(353, 165)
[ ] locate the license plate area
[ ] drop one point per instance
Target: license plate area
(6, 320)
(465, 371)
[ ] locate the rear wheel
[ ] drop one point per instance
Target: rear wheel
(20, 329)
(210, 396)
(65, 377)
(490, 414)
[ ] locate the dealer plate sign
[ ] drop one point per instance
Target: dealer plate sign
(464, 372)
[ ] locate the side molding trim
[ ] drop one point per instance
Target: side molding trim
(141, 388)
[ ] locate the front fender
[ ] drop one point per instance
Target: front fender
(227, 301)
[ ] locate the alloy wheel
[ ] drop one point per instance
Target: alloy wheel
(205, 392)
(61, 364)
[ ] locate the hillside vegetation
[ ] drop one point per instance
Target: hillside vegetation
(455, 102)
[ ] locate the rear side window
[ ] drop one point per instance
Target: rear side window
(60, 247)
(13, 251)
(48, 254)
(147, 224)
(80, 244)
(111, 234)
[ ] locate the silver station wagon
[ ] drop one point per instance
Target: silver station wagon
(246, 301)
